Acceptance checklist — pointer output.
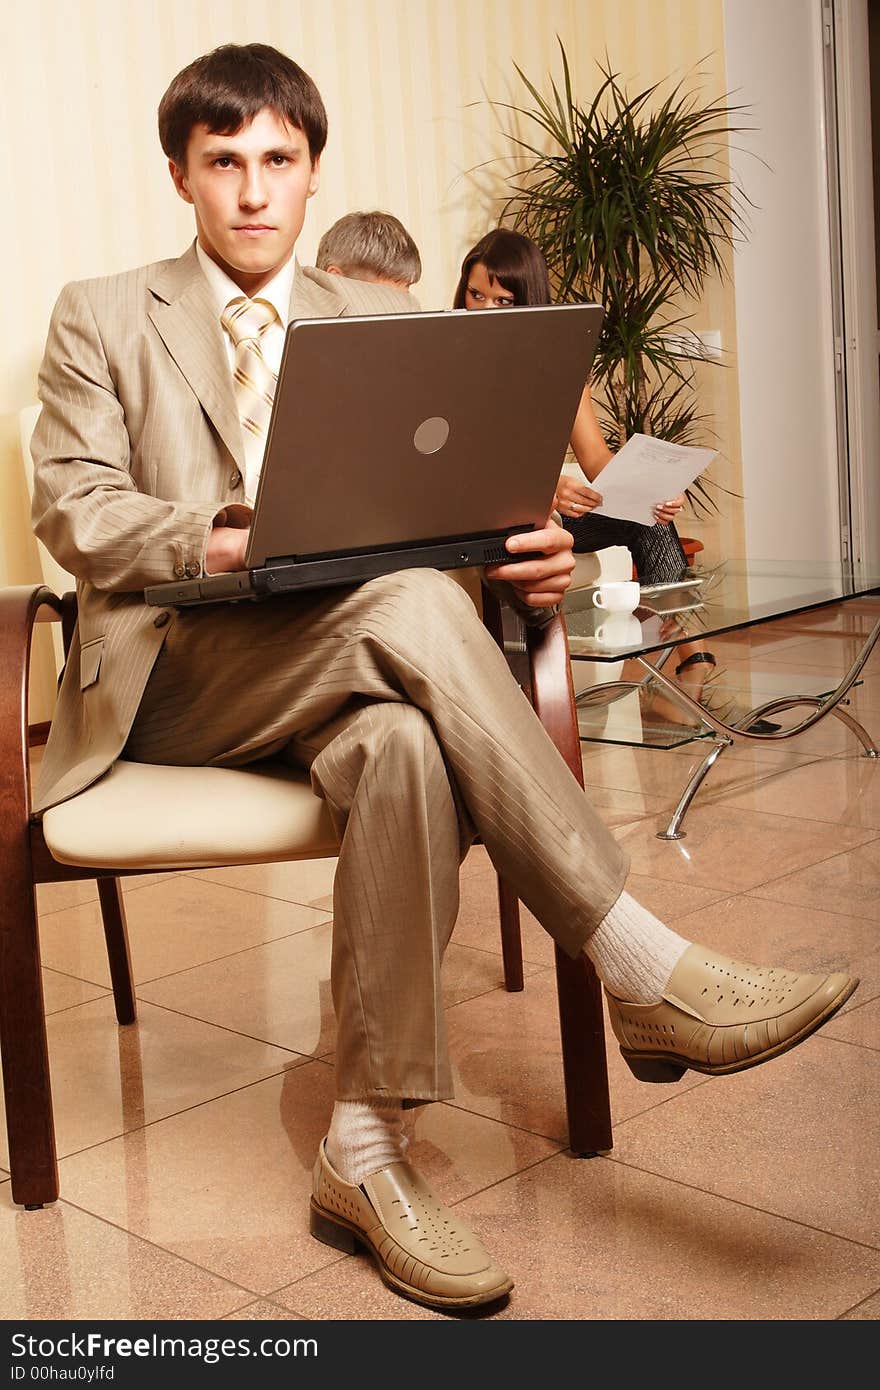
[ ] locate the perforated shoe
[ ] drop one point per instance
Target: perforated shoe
(422, 1249)
(719, 1015)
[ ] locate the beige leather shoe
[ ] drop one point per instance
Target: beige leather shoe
(423, 1251)
(719, 1015)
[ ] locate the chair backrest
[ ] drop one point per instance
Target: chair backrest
(53, 575)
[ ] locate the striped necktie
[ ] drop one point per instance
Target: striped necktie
(246, 320)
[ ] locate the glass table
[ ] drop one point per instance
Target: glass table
(733, 596)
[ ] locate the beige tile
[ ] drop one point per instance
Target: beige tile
(831, 652)
(501, 1036)
(107, 1079)
(172, 926)
(866, 703)
(796, 1137)
(729, 848)
(261, 1311)
(55, 897)
(278, 992)
(850, 880)
(135, 881)
(478, 924)
(249, 1156)
(868, 1311)
(471, 974)
(60, 1263)
(64, 991)
(651, 772)
(860, 1023)
(617, 807)
(752, 928)
(302, 881)
(592, 1240)
(670, 901)
(762, 759)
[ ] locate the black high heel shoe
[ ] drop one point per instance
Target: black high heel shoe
(762, 726)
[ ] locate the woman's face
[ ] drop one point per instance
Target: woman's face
(483, 293)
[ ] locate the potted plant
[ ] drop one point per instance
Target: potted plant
(631, 201)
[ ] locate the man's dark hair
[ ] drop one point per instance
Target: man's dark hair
(512, 259)
(226, 88)
(376, 242)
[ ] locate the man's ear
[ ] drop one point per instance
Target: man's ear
(178, 176)
(315, 178)
(333, 270)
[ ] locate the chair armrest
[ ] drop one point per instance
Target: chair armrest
(552, 689)
(20, 608)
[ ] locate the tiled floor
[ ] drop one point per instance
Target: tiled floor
(187, 1141)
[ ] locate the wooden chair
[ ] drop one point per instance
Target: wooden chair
(141, 818)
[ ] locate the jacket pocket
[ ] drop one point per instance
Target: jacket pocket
(90, 662)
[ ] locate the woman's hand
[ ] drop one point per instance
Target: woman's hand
(539, 583)
(664, 512)
(575, 499)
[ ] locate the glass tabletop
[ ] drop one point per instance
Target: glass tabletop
(707, 601)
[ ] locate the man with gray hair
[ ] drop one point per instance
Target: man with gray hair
(370, 246)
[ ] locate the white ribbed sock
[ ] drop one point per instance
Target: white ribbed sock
(365, 1136)
(634, 953)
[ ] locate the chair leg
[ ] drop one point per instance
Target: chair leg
(581, 1013)
(118, 955)
(511, 937)
(584, 1063)
(29, 1122)
(508, 905)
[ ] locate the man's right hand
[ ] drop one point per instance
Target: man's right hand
(228, 540)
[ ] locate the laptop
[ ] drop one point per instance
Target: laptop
(402, 440)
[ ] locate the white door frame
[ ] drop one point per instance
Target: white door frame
(857, 340)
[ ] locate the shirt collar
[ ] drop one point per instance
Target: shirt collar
(277, 292)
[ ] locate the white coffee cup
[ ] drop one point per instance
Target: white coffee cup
(619, 630)
(617, 596)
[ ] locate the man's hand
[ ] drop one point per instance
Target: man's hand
(228, 540)
(575, 499)
(539, 583)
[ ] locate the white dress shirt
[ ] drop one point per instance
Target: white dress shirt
(277, 292)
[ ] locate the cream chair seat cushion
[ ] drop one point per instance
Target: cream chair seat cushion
(144, 816)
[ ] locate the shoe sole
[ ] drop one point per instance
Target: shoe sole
(670, 1066)
(333, 1230)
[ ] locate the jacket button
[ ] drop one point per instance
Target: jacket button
(193, 571)
(161, 619)
(180, 571)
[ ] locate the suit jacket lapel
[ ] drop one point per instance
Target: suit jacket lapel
(185, 317)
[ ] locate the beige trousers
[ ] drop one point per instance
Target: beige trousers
(417, 736)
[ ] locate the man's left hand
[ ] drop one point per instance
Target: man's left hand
(542, 582)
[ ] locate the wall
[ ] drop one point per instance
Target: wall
(405, 83)
(783, 305)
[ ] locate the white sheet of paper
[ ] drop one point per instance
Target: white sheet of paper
(647, 471)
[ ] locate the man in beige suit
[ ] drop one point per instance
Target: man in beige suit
(146, 455)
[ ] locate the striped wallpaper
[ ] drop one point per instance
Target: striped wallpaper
(412, 130)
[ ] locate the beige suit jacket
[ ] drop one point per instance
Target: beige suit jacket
(137, 446)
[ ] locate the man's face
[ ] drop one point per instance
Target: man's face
(249, 191)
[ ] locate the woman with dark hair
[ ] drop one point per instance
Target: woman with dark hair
(506, 270)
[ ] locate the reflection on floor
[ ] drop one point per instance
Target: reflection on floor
(188, 1140)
